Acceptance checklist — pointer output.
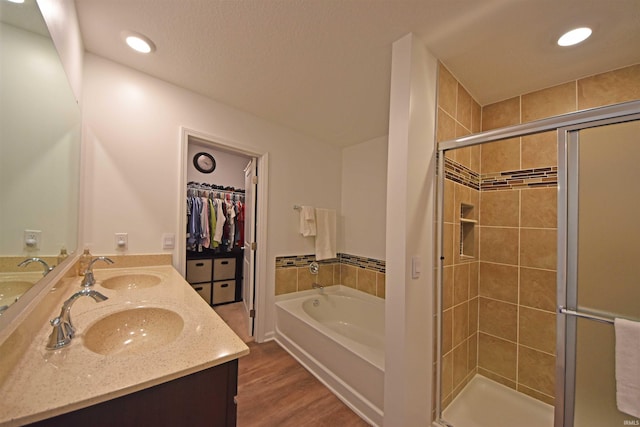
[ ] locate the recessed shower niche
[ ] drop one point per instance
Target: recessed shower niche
(467, 231)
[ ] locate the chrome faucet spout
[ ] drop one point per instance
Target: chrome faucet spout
(89, 280)
(45, 266)
(63, 330)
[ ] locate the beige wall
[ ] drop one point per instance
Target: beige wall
(512, 319)
(132, 167)
(363, 193)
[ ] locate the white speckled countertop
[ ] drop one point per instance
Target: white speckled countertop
(46, 383)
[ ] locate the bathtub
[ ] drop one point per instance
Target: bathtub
(338, 335)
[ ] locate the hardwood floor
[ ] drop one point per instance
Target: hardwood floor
(274, 390)
(234, 315)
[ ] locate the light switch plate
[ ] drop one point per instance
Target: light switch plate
(416, 267)
(168, 241)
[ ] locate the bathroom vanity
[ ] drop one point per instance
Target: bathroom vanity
(154, 353)
(203, 398)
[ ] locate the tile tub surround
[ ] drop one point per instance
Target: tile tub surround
(51, 378)
(363, 274)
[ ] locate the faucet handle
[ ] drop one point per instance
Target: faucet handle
(61, 335)
(89, 279)
(100, 258)
(63, 330)
(46, 267)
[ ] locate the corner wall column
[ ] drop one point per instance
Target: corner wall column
(410, 235)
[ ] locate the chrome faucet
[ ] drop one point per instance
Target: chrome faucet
(89, 280)
(63, 330)
(28, 261)
(314, 269)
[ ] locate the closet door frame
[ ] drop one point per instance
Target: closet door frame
(262, 297)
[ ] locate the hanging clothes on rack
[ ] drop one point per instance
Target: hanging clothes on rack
(212, 217)
(239, 241)
(193, 222)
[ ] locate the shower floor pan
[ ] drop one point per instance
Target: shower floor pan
(485, 403)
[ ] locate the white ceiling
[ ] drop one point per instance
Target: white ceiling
(322, 67)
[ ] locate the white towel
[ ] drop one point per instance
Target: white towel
(326, 234)
(307, 221)
(628, 366)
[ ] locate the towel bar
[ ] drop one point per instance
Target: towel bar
(589, 316)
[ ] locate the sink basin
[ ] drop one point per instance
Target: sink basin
(134, 331)
(12, 289)
(131, 281)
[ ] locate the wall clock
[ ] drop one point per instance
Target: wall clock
(204, 162)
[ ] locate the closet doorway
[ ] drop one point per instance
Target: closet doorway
(218, 244)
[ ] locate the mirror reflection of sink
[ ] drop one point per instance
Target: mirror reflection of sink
(12, 289)
(133, 331)
(131, 281)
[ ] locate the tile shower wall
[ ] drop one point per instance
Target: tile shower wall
(514, 311)
(518, 180)
(460, 291)
(363, 274)
(517, 289)
(458, 115)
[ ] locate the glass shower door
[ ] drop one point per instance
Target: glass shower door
(604, 260)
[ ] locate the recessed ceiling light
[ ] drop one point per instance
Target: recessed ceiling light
(575, 36)
(15, 1)
(138, 42)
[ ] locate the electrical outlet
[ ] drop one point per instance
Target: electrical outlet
(32, 239)
(122, 241)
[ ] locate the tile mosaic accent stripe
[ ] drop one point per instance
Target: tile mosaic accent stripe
(461, 174)
(527, 178)
(362, 262)
(357, 261)
(508, 180)
(301, 261)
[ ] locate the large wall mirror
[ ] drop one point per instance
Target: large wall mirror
(40, 131)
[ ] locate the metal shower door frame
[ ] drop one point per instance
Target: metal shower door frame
(568, 182)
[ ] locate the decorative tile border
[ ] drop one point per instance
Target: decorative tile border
(461, 174)
(529, 178)
(356, 261)
(508, 180)
(301, 261)
(362, 262)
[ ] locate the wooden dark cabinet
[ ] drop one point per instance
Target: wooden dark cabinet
(205, 398)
